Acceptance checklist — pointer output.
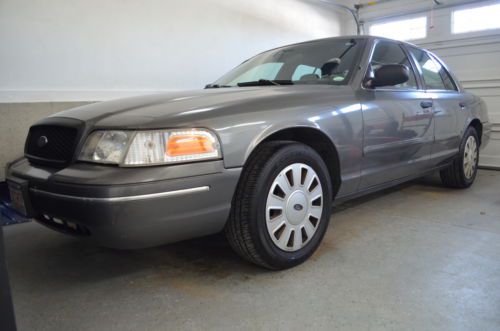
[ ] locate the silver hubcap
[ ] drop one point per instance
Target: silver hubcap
(294, 207)
(470, 157)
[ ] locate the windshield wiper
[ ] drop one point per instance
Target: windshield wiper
(216, 86)
(265, 82)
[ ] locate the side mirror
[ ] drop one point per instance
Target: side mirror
(389, 75)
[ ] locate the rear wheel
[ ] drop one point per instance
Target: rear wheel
(282, 206)
(462, 173)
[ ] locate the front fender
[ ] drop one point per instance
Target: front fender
(275, 128)
(341, 122)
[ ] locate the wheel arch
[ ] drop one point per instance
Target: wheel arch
(476, 124)
(317, 140)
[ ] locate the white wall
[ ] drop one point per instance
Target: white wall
(474, 57)
(60, 50)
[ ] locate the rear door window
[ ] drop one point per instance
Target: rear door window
(449, 83)
(434, 75)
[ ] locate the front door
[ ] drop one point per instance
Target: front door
(398, 123)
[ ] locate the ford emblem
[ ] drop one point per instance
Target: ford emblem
(42, 141)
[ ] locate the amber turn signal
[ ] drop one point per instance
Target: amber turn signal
(189, 144)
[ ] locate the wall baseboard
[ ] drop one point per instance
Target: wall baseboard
(61, 96)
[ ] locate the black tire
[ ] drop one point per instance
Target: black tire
(246, 228)
(454, 176)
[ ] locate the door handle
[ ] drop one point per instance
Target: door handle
(462, 105)
(426, 104)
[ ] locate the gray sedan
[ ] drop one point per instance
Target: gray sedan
(262, 153)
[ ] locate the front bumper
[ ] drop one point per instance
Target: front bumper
(133, 207)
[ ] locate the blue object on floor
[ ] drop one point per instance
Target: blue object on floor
(8, 215)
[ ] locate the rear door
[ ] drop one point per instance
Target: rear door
(398, 126)
(447, 105)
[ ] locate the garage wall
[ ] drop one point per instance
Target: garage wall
(57, 54)
(97, 49)
(474, 57)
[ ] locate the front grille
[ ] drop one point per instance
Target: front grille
(51, 144)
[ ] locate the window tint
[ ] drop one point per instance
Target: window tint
(387, 52)
(318, 62)
(435, 76)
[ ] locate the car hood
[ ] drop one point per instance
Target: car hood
(190, 107)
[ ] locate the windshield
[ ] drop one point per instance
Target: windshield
(320, 62)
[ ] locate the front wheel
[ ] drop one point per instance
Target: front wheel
(462, 172)
(282, 206)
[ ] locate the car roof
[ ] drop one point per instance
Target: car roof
(363, 37)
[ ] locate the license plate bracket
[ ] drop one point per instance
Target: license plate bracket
(19, 195)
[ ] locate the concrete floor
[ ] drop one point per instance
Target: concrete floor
(418, 256)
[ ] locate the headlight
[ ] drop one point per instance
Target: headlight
(155, 147)
(105, 146)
